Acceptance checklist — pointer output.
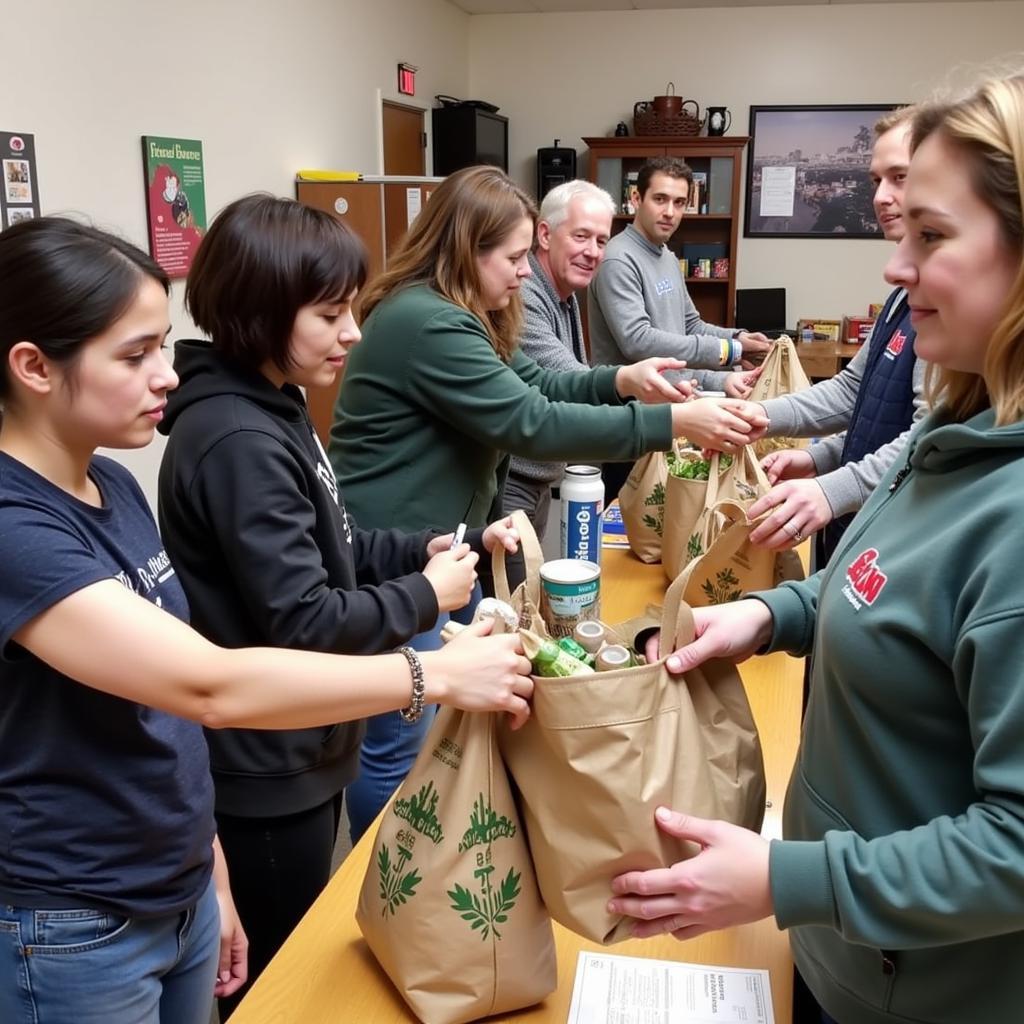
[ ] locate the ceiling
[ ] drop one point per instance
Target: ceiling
(551, 6)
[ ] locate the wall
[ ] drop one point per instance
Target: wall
(571, 75)
(269, 87)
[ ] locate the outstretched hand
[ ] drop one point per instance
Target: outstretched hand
(645, 381)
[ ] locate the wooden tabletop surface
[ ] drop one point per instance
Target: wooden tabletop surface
(325, 974)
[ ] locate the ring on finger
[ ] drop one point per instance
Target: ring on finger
(794, 531)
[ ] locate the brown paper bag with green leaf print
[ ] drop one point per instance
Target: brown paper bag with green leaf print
(642, 503)
(449, 905)
(782, 373)
(602, 751)
(736, 477)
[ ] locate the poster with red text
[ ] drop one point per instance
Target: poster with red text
(175, 200)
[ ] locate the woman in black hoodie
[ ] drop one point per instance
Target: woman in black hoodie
(253, 521)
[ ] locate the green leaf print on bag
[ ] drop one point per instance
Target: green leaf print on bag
(694, 547)
(395, 886)
(419, 810)
(719, 592)
(489, 909)
(485, 826)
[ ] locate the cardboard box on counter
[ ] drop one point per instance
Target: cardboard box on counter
(857, 329)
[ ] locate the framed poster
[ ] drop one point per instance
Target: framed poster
(807, 174)
(19, 183)
(175, 200)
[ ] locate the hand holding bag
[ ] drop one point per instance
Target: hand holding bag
(601, 752)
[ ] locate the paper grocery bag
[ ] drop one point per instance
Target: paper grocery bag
(727, 566)
(687, 503)
(449, 905)
(684, 503)
(642, 503)
(601, 752)
(782, 374)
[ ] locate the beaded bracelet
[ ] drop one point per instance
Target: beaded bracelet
(414, 712)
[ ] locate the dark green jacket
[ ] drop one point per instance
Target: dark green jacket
(428, 413)
(901, 875)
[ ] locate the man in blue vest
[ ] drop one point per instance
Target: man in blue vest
(875, 401)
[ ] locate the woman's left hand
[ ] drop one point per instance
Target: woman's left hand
(501, 533)
(645, 382)
(725, 884)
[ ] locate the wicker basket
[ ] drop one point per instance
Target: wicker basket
(650, 122)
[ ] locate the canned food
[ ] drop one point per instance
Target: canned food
(570, 593)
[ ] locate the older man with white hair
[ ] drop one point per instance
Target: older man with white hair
(573, 229)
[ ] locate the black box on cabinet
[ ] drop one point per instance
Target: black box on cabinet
(465, 135)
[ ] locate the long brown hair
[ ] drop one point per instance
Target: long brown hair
(988, 128)
(471, 212)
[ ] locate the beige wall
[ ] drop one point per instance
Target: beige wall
(268, 86)
(570, 75)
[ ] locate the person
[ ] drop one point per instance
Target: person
(573, 228)
(109, 892)
(256, 529)
(901, 872)
(638, 304)
(875, 401)
(438, 392)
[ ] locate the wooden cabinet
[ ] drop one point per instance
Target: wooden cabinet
(379, 212)
(713, 231)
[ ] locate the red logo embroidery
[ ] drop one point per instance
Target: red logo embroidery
(865, 577)
(896, 343)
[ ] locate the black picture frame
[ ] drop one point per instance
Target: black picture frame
(819, 156)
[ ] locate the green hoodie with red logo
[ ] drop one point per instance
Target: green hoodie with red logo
(901, 874)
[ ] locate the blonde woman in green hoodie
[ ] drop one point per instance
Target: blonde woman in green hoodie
(901, 871)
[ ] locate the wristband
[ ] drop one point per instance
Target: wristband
(726, 351)
(737, 351)
(414, 712)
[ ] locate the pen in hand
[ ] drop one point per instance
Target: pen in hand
(460, 535)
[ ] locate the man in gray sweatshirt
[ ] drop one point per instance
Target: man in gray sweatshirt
(638, 305)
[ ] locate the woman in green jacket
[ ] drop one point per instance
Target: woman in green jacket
(438, 395)
(901, 874)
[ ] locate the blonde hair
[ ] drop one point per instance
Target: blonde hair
(893, 119)
(988, 129)
(470, 213)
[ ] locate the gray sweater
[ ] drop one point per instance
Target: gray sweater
(553, 338)
(826, 408)
(638, 307)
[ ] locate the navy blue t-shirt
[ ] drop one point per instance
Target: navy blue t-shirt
(104, 803)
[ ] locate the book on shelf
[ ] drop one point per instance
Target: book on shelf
(630, 193)
(697, 200)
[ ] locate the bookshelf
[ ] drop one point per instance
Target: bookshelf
(711, 230)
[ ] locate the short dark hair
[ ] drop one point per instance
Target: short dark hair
(673, 166)
(62, 283)
(262, 260)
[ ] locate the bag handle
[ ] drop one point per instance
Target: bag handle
(714, 466)
(676, 616)
(533, 556)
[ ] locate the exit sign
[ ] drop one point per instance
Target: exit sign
(407, 79)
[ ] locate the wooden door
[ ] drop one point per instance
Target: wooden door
(405, 143)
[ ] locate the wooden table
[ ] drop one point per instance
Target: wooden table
(824, 358)
(325, 974)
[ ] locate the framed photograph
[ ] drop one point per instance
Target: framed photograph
(807, 173)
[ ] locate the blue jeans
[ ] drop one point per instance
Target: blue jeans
(391, 744)
(92, 967)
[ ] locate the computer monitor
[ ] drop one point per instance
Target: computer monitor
(761, 309)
